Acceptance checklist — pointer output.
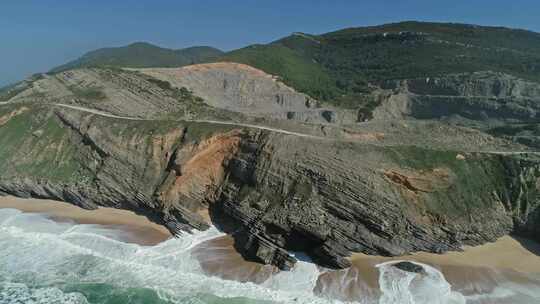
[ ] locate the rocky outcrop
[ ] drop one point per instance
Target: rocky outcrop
(500, 104)
(523, 194)
(409, 267)
(241, 88)
(159, 169)
(275, 193)
(116, 91)
(387, 189)
(479, 96)
(328, 205)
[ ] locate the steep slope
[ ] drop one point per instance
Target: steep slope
(347, 145)
(248, 96)
(289, 65)
(497, 103)
(274, 192)
(481, 77)
(486, 97)
(244, 89)
(115, 91)
(347, 61)
(141, 54)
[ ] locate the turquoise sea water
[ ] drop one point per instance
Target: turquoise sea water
(100, 294)
(48, 262)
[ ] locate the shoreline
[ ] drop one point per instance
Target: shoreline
(476, 270)
(507, 253)
(136, 228)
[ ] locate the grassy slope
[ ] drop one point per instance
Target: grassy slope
(344, 62)
(293, 68)
(36, 144)
(477, 180)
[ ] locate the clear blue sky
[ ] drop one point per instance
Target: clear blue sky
(36, 35)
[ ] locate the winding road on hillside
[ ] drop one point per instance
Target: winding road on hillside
(228, 123)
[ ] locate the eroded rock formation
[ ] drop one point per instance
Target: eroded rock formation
(277, 193)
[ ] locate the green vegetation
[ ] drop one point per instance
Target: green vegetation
(339, 67)
(89, 93)
(183, 94)
(292, 68)
(517, 129)
(164, 85)
(345, 66)
(6, 93)
(473, 180)
(191, 105)
(198, 131)
(10, 91)
(525, 134)
(140, 55)
(34, 143)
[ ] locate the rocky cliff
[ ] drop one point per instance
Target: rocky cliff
(244, 89)
(481, 96)
(422, 137)
(273, 192)
(329, 202)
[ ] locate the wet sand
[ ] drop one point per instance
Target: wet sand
(136, 228)
(218, 257)
(477, 270)
(507, 253)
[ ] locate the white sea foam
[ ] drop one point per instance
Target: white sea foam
(303, 277)
(508, 292)
(35, 249)
(61, 255)
(20, 293)
(402, 287)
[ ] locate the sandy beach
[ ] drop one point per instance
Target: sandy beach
(507, 253)
(476, 270)
(218, 257)
(137, 229)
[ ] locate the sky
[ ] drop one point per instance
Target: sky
(36, 35)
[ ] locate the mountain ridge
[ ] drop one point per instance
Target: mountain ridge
(139, 55)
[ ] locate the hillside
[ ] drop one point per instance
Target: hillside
(383, 140)
(344, 65)
(141, 54)
(140, 140)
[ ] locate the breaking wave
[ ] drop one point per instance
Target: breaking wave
(429, 287)
(43, 261)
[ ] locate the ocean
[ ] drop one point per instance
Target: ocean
(45, 261)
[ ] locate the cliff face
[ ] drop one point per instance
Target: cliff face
(390, 201)
(244, 89)
(274, 192)
(481, 96)
(389, 163)
(495, 103)
(95, 161)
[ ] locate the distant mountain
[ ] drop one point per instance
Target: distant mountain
(342, 66)
(142, 54)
